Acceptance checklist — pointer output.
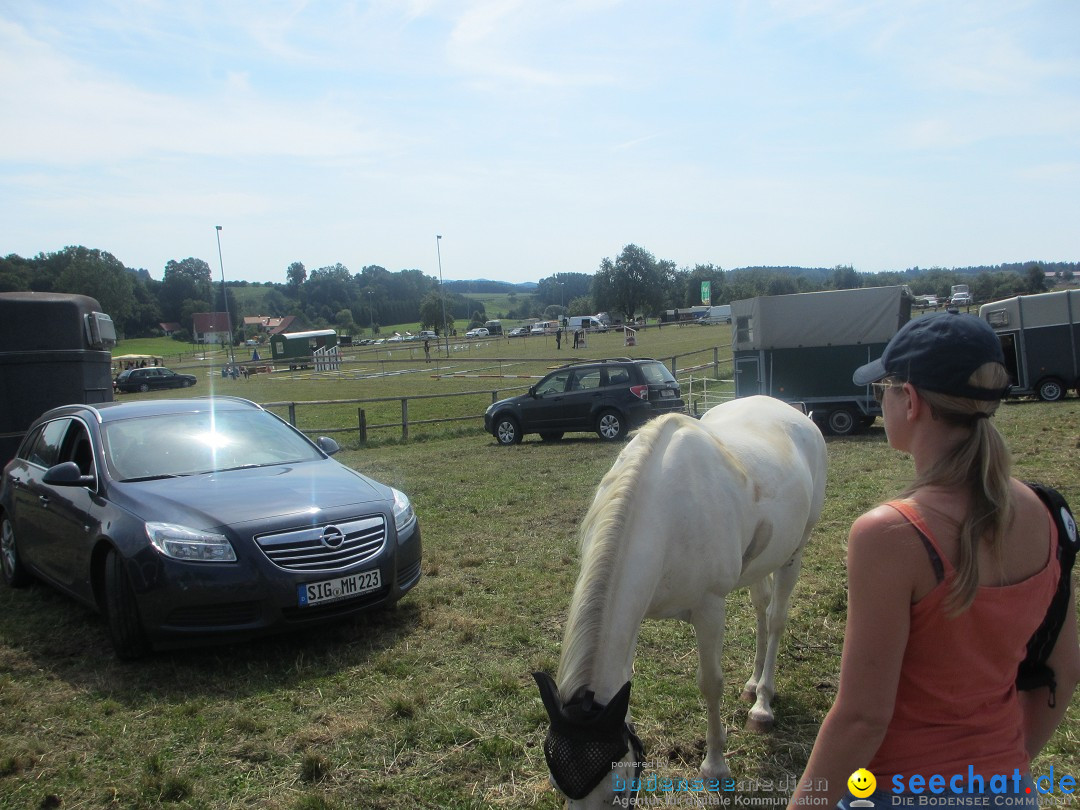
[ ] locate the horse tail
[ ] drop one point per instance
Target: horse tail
(599, 542)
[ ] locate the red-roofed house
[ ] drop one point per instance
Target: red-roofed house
(211, 327)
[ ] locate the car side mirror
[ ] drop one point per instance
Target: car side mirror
(67, 474)
(532, 391)
(327, 445)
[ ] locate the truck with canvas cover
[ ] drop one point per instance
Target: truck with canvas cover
(1040, 336)
(54, 350)
(803, 349)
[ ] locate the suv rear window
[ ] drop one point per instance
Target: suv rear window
(656, 373)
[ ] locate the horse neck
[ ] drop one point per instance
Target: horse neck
(599, 644)
(614, 588)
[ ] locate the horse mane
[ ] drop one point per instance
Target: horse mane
(600, 542)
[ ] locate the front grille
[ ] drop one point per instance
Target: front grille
(331, 547)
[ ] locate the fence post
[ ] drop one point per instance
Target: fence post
(292, 414)
(716, 362)
(362, 417)
(404, 418)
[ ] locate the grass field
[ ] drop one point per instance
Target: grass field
(431, 704)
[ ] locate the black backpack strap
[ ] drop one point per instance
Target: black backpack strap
(1033, 672)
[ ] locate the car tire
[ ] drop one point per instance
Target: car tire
(187, 383)
(1051, 390)
(610, 426)
(551, 436)
(507, 431)
(15, 573)
(841, 422)
(144, 387)
(122, 611)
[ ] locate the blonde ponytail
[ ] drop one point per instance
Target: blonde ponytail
(980, 464)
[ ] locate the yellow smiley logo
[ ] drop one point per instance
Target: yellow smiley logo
(861, 783)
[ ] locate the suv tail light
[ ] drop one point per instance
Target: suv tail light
(640, 391)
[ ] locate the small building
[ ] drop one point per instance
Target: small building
(211, 327)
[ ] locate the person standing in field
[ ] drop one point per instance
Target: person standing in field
(946, 585)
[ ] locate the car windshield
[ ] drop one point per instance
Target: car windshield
(189, 443)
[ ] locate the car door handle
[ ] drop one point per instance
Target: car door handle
(44, 501)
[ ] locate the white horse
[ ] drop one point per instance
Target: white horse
(690, 511)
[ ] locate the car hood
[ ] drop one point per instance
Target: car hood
(510, 401)
(233, 497)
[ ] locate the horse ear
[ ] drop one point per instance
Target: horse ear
(618, 705)
(549, 693)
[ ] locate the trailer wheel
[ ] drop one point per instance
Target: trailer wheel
(841, 422)
(1051, 390)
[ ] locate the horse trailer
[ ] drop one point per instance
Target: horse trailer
(298, 348)
(1040, 336)
(54, 350)
(803, 349)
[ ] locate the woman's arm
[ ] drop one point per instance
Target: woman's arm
(1041, 719)
(882, 552)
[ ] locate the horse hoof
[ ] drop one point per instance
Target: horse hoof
(759, 726)
(748, 695)
(718, 775)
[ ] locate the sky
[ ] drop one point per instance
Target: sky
(541, 136)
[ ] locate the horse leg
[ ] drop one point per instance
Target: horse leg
(760, 595)
(760, 717)
(709, 627)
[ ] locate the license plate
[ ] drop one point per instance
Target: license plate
(667, 392)
(331, 590)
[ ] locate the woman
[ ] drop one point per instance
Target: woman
(945, 587)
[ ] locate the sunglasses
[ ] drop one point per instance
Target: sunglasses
(884, 385)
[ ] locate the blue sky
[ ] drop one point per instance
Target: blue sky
(540, 136)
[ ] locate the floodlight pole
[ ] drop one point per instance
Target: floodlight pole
(442, 294)
(225, 298)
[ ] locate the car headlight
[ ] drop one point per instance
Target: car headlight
(192, 545)
(404, 516)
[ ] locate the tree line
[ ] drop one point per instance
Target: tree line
(634, 283)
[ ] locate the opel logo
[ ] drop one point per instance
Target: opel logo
(332, 537)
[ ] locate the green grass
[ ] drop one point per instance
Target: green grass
(430, 704)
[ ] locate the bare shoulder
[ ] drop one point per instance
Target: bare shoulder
(884, 535)
(881, 520)
(885, 554)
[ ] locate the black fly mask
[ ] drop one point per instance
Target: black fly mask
(586, 737)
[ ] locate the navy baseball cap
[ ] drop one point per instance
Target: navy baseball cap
(939, 353)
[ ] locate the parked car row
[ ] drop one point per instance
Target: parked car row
(210, 519)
